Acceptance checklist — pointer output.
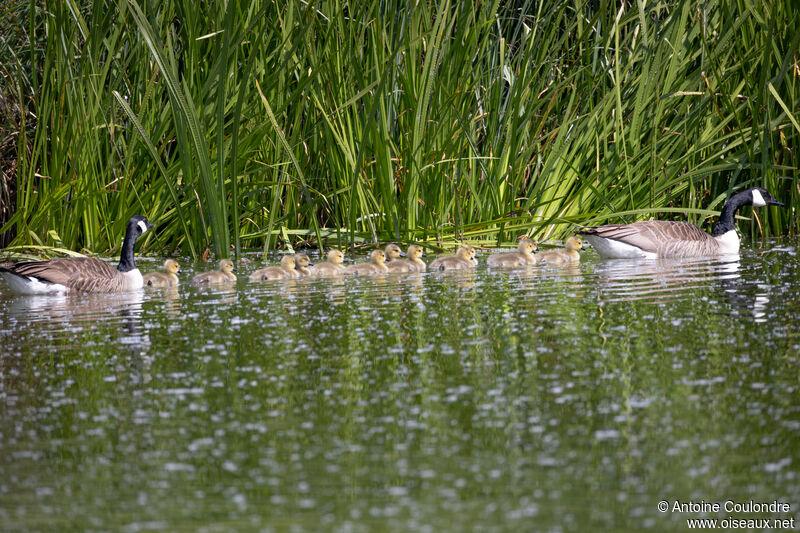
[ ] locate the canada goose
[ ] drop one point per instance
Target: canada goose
(376, 265)
(662, 238)
(464, 258)
(223, 275)
(301, 264)
(331, 267)
(522, 257)
(563, 257)
(412, 264)
(80, 274)
(167, 278)
(286, 270)
(392, 252)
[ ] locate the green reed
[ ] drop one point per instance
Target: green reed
(263, 124)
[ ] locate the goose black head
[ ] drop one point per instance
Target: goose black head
(761, 197)
(139, 225)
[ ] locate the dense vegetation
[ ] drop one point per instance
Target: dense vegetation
(260, 124)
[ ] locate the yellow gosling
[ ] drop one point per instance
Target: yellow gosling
(301, 264)
(286, 270)
(392, 252)
(464, 258)
(331, 267)
(168, 278)
(521, 258)
(414, 263)
(376, 265)
(223, 275)
(473, 259)
(563, 257)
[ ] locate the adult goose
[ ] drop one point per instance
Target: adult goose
(168, 278)
(80, 274)
(660, 238)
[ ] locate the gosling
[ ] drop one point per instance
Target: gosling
(392, 252)
(301, 264)
(412, 264)
(464, 258)
(223, 275)
(286, 270)
(376, 265)
(521, 258)
(168, 278)
(563, 257)
(331, 267)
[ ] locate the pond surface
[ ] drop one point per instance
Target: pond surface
(572, 399)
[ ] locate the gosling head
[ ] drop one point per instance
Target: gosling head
(415, 252)
(378, 257)
(527, 246)
(574, 244)
(393, 251)
(301, 260)
(227, 266)
(336, 257)
(466, 253)
(287, 262)
(171, 266)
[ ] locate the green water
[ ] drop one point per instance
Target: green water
(544, 400)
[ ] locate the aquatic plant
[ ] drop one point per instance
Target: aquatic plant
(263, 124)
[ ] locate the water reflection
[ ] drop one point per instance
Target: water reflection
(473, 400)
(661, 280)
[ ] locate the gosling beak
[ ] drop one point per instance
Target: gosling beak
(310, 264)
(402, 254)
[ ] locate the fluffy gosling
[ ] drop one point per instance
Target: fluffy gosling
(464, 258)
(412, 264)
(392, 252)
(332, 266)
(223, 275)
(168, 278)
(521, 258)
(376, 265)
(301, 264)
(563, 257)
(286, 270)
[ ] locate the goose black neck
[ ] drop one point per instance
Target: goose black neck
(726, 220)
(126, 262)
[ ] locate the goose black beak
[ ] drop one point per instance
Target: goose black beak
(773, 201)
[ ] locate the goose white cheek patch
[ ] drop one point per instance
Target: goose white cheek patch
(758, 200)
(142, 225)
